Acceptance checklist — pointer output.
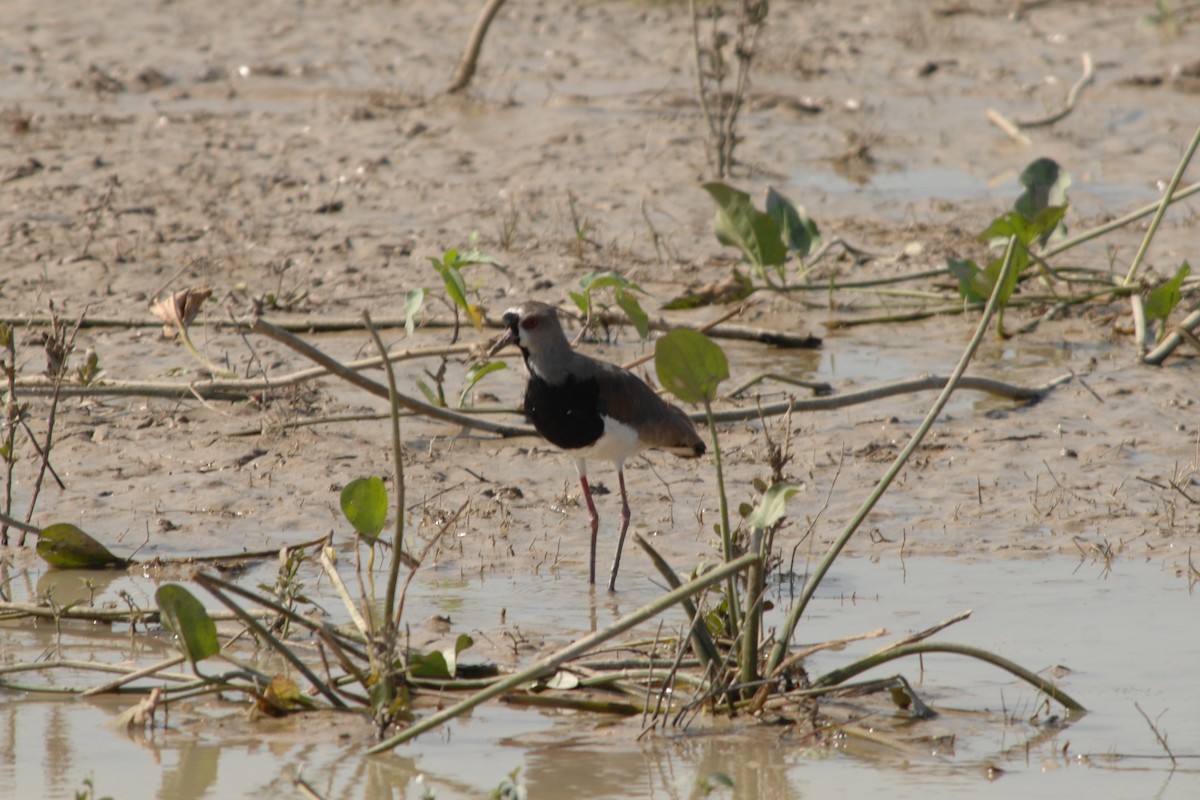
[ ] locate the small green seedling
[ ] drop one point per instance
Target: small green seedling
(623, 294)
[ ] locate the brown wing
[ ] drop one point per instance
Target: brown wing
(626, 397)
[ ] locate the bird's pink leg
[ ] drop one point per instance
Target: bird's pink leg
(612, 578)
(595, 520)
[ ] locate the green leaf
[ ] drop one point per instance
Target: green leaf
(799, 231)
(1162, 300)
(439, 664)
(739, 224)
(1010, 223)
(431, 396)
(1045, 185)
(773, 505)
(1020, 262)
(608, 279)
(412, 304)
(456, 287)
(690, 365)
(633, 309)
(64, 546)
(475, 374)
(973, 284)
(475, 257)
(431, 665)
(365, 504)
(185, 616)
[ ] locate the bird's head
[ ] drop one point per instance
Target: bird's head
(534, 327)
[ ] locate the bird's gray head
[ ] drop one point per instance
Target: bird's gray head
(534, 327)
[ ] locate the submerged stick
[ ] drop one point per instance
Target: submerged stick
(850, 670)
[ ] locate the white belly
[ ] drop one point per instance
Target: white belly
(618, 442)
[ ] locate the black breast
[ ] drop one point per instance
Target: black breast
(567, 415)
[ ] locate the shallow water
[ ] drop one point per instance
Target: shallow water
(1126, 633)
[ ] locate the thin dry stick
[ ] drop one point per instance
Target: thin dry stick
(356, 616)
(12, 413)
(1008, 126)
(67, 344)
(1162, 739)
(925, 634)
(1167, 198)
(144, 672)
(437, 537)
(229, 389)
(398, 554)
(17, 610)
(466, 65)
(1179, 333)
(411, 403)
(905, 386)
(1072, 96)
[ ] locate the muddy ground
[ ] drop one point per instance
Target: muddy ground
(300, 159)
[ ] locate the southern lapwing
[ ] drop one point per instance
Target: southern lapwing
(591, 409)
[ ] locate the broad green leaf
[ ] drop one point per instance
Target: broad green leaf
(463, 642)
(606, 280)
(365, 504)
(441, 664)
(739, 224)
(412, 304)
(1162, 300)
(475, 374)
(456, 287)
(582, 301)
(773, 505)
(1046, 221)
(1010, 223)
(474, 257)
(185, 616)
(64, 546)
(633, 309)
(431, 665)
(973, 283)
(1046, 185)
(690, 365)
(799, 231)
(992, 273)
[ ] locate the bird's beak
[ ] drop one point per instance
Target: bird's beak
(509, 337)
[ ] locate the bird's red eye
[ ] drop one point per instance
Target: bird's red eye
(529, 323)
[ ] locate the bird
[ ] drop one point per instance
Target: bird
(591, 409)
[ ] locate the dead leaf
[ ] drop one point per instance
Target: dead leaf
(178, 309)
